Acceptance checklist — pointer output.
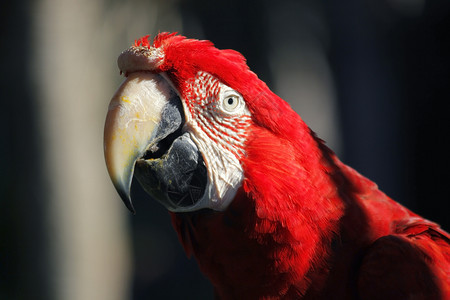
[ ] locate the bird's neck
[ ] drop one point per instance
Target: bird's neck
(247, 256)
(275, 237)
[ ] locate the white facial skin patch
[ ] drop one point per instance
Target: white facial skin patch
(217, 120)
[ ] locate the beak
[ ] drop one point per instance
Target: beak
(133, 126)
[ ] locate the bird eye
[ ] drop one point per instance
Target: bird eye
(230, 103)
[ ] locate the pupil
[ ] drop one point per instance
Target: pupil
(230, 101)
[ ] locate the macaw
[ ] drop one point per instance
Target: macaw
(264, 206)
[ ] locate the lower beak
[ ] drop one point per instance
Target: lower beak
(133, 126)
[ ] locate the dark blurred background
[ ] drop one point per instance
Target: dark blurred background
(371, 77)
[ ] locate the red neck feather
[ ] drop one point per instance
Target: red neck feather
(281, 221)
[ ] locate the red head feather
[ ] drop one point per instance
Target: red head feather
(183, 58)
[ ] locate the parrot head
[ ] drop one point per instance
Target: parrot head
(181, 120)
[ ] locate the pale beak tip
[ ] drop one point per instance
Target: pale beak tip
(122, 183)
(127, 201)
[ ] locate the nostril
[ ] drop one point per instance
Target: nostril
(140, 58)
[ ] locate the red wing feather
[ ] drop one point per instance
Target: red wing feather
(414, 264)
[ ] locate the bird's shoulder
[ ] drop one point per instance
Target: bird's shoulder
(411, 263)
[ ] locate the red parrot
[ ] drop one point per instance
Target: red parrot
(267, 210)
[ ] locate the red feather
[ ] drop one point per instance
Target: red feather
(303, 224)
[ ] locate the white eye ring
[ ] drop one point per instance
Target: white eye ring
(231, 102)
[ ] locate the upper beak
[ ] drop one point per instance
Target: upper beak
(131, 127)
